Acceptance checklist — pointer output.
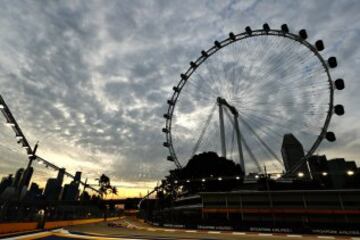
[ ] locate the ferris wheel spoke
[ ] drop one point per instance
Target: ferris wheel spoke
(264, 121)
(243, 142)
(266, 146)
(208, 120)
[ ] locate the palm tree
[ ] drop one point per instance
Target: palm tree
(105, 186)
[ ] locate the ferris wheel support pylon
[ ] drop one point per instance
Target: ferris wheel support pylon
(238, 136)
(222, 102)
(222, 129)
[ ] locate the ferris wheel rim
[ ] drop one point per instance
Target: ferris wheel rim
(205, 55)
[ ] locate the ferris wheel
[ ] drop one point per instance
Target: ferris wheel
(242, 95)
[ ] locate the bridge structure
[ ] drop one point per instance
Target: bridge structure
(31, 152)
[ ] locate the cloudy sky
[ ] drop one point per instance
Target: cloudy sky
(90, 79)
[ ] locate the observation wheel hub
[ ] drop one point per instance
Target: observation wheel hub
(222, 101)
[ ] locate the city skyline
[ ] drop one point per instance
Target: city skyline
(90, 81)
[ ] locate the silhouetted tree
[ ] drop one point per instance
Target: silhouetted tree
(204, 165)
(105, 186)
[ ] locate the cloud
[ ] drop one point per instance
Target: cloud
(90, 79)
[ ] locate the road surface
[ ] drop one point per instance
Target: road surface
(130, 228)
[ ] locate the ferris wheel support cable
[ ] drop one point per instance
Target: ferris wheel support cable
(187, 91)
(285, 104)
(248, 149)
(269, 115)
(278, 66)
(272, 120)
(310, 112)
(267, 121)
(203, 130)
(259, 138)
(212, 92)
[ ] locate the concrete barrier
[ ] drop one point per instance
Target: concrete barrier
(17, 227)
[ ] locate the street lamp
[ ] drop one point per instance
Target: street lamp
(220, 178)
(350, 173)
(324, 174)
(19, 137)
(300, 174)
(10, 124)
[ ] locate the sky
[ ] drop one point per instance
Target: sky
(89, 80)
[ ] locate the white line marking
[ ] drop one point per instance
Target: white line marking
(38, 235)
(265, 234)
(326, 237)
(239, 233)
(294, 236)
(169, 230)
(151, 229)
(213, 232)
(191, 231)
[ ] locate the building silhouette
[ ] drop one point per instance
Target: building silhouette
(17, 178)
(6, 182)
(341, 173)
(53, 186)
(71, 190)
(293, 152)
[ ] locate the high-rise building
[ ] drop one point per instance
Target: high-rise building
(293, 153)
(77, 177)
(17, 178)
(34, 193)
(26, 177)
(60, 176)
(71, 191)
(52, 189)
(6, 182)
(337, 172)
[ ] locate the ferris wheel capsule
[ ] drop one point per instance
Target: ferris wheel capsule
(183, 77)
(303, 35)
(266, 27)
(248, 30)
(319, 45)
(339, 110)
(330, 136)
(232, 36)
(217, 44)
(204, 54)
(332, 62)
(284, 28)
(339, 84)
